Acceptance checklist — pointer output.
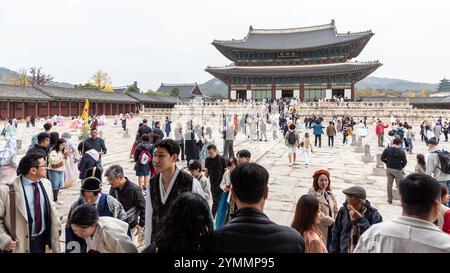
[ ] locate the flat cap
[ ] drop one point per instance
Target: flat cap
(244, 153)
(356, 191)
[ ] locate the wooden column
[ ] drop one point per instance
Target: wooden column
(59, 108)
(24, 112)
(104, 109)
(78, 109)
(70, 108)
(48, 108)
(302, 91)
(36, 109)
(111, 109)
(96, 108)
(117, 108)
(353, 91)
(8, 110)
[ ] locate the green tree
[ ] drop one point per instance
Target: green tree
(175, 92)
(133, 87)
(156, 93)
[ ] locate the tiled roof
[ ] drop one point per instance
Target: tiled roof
(150, 98)
(186, 91)
(293, 38)
(295, 70)
(17, 92)
(81, 94)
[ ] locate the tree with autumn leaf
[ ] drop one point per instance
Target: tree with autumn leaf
(102, 81)
(409, 94)
(21, 78)
(424, 93)
(39, 78)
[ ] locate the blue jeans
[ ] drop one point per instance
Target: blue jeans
(410, 144)
(57, 179)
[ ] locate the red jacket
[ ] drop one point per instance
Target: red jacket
(446, 226)
(379, 130)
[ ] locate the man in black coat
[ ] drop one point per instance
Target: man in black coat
(41, 147)
(250, 230)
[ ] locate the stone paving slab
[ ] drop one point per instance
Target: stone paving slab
(286, 184)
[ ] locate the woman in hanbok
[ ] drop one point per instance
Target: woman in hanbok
(71, 172)
(207, 140)
(116, 120)
(73, 124)
(61, 121)
(8, 162)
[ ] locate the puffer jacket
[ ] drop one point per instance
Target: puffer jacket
(343, 226)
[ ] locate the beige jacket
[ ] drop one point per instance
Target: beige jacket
(22, 231)
(111, 237)
(325, 209)
(55, 158)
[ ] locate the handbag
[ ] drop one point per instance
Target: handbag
(12, 214)
(56, 166)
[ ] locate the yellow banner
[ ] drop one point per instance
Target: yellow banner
(85, 115)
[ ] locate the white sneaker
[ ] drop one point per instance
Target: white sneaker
(290, 164)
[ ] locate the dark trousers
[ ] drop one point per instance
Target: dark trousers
(37, 244)
(318, 137)
(228, 151)
(446, 135)
(216, 193)
(181, 150)
(330, 140)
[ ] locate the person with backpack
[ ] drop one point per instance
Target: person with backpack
(143, 158)
(89, 158)
(438, 164)
(400, 132)
(395, 159)
(292, 141)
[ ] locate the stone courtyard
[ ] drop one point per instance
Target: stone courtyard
(286, 183)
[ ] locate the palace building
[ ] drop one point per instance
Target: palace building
(308, 63)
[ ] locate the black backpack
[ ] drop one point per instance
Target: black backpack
(444, 159)
(291, 138)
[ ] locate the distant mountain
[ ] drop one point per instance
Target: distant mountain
(5, 73)
(395, 84)
(216, 86)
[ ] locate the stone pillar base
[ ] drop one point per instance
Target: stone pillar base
(359, 149)
(367, 158)
(379, 171)
(20, 151)
(395, 194)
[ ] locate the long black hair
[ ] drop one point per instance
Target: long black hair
(57, 144)
(188, 227)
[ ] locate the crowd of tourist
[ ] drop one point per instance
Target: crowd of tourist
(213, 202)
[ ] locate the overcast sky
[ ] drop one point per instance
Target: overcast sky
(170, 41)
